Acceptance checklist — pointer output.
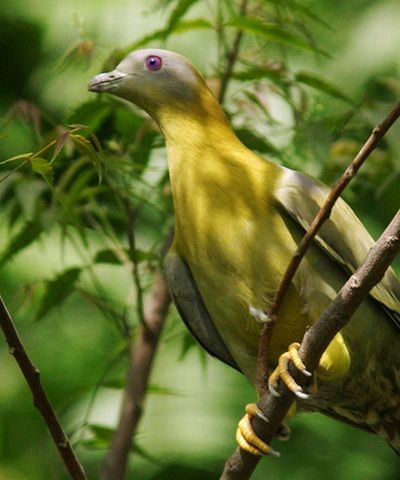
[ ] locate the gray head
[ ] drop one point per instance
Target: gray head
(155, 80)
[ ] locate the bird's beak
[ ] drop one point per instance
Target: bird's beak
(106, 82)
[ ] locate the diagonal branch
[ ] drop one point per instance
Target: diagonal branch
(377, 134)
(40, 399)
(241, 465)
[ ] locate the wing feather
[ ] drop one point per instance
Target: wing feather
(192, 309)
(342, 236)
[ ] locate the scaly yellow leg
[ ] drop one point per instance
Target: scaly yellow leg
(247, 438)
(282, 372)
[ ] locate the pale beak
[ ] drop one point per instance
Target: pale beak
(106, 82)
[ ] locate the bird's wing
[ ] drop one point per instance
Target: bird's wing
(192, 309)
(342, 236)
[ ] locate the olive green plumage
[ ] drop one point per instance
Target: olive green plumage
(239, 219)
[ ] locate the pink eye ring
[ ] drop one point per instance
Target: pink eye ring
(153, 62)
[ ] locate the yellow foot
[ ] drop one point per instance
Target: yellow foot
(247, 438)
(282, 372)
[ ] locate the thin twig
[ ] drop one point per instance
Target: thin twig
(142, 356)
(40, 399)
(131, 215)
(241, 464)
(378, 132)
(231, 56)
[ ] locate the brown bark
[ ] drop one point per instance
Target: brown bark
(142, 356)
(40, 399)
(241, 465)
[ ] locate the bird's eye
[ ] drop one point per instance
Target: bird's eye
(153, 62)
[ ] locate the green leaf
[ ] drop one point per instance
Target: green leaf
(57, 291)
(273, 33)
(92, 114)
(107, 256)
(86, 148)
(44, 168)
(22, 156)
(194, 24)
(180, 27)
(255, 142)
(156, 35)
(160, 390)
(188, 344)
(29, 233)
(102, 436)
(307, 12)
(258, 73)
(182, 6)
(322, 85)
(143, 256)
(294, 6)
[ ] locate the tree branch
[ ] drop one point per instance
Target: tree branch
(231, 56)
(241, 464)
(142, 356)
(316, 340)
(40, 399)
(377, 133)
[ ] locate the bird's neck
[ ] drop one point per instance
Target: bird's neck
(194, 125)
(197, 147)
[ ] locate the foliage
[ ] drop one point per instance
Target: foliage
(96, 183)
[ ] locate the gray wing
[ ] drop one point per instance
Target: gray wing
(342, 236)
(192, 309)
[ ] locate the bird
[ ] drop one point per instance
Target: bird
(238, 220)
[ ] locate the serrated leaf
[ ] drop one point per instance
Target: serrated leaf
(57, 291)
(322, 85)
(86, 147)
(273, 33)
(60, 142)
(44, 168)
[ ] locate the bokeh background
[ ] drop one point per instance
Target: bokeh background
(306, 93)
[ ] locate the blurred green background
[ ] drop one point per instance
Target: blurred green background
(307, 91)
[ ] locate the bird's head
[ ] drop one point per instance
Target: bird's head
(155, 80)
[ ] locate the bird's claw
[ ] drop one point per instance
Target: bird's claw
(282, 372)
(247, 438)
